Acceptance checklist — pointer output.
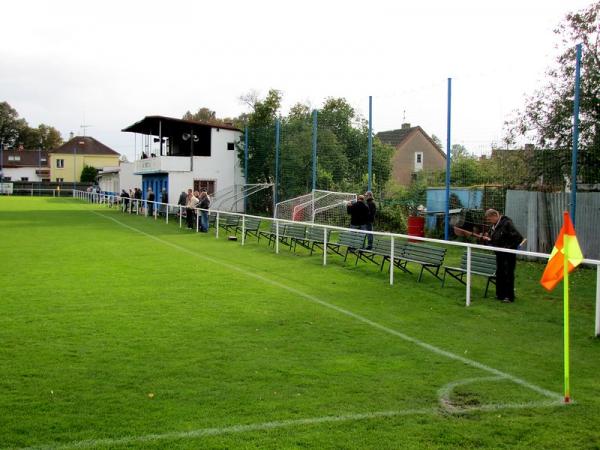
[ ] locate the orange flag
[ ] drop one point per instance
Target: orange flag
(566, 245)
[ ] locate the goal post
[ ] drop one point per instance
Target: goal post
(323, 207)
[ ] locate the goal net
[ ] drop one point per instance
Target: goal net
(324, 207)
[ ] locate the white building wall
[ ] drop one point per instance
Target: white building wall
(109, 182)
(16, 173)
(127, 178)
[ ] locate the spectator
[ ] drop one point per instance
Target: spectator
(359, 213)
(204, 205)
(372, 211)
(190, 205)
(164, 198)
(504, 234)
(125, 199)
(150, 197)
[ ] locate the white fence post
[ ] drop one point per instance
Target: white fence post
(392, 262)
(324, 246)
(598, 300)
(180, 215)
(243, 229)
(197, 219)
(217, 226)
(276, 236)
(468, 276)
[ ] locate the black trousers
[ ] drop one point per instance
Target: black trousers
(505, 275)
(190, 216)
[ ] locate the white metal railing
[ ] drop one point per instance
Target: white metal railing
(112, 200)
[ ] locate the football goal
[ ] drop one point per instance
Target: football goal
(324, 207)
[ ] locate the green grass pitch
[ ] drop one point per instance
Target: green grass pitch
(118, 331)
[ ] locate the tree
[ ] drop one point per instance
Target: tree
(43, 137)
(548, 113)
(11, 126)
(437, 141)
(202, 115)
(89, 174)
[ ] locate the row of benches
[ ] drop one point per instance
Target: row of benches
(430, 258)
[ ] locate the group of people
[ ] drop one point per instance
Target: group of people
(132, 200)
(502, 234)
(192, 201)
(362, 214)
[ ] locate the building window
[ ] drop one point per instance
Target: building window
(60, 180)
(60, 163)
(14, 158)
(418, 161)
(230, 146)
(209, 185)
(6, 178)
(24, 178)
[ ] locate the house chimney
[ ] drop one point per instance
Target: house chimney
(529, 147)
(405, 126)
(71, 135)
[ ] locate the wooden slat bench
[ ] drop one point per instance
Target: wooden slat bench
(251, 227)
(482, 264)
(430, 258)
(294, 233)
(351, 241)
(314, 238)
(382, 248)
(272, 233)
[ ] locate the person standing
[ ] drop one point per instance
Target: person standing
(164, 198)
(503, 234)
(190, 206)
(204, 205)
(125, 200)
(359, 213)
(372, 211)
(150, 202)
(138, 199)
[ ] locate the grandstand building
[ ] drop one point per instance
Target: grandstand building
(181, 154)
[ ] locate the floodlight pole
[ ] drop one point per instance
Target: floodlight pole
(314, 150)
(448, 156)
(575, 134)
(245, 165)
(277, 131)
(370, 145)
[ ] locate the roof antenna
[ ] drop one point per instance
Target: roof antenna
(404, 116)
(84, 127)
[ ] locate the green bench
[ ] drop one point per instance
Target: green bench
(482, 264)
(230, 223)
(314, 238)
(430, 258)
(272, 233)
(351, 241)
(251, 227)
(382, 248)
(293, 234)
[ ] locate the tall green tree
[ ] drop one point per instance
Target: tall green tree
(548, 113)
(11, 126)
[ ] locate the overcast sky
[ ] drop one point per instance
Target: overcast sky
(108, 64)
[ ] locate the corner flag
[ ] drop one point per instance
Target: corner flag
(566, 251)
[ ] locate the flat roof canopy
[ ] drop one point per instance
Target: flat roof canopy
(169, 126)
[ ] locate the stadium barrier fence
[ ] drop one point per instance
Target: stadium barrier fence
(112, 200)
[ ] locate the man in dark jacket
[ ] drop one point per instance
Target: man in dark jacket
(372, 211)
(359, 213)
(150, 197)
(504, 234)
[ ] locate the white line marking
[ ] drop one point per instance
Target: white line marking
(445, 402)
(422, 344)
(206, 432)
